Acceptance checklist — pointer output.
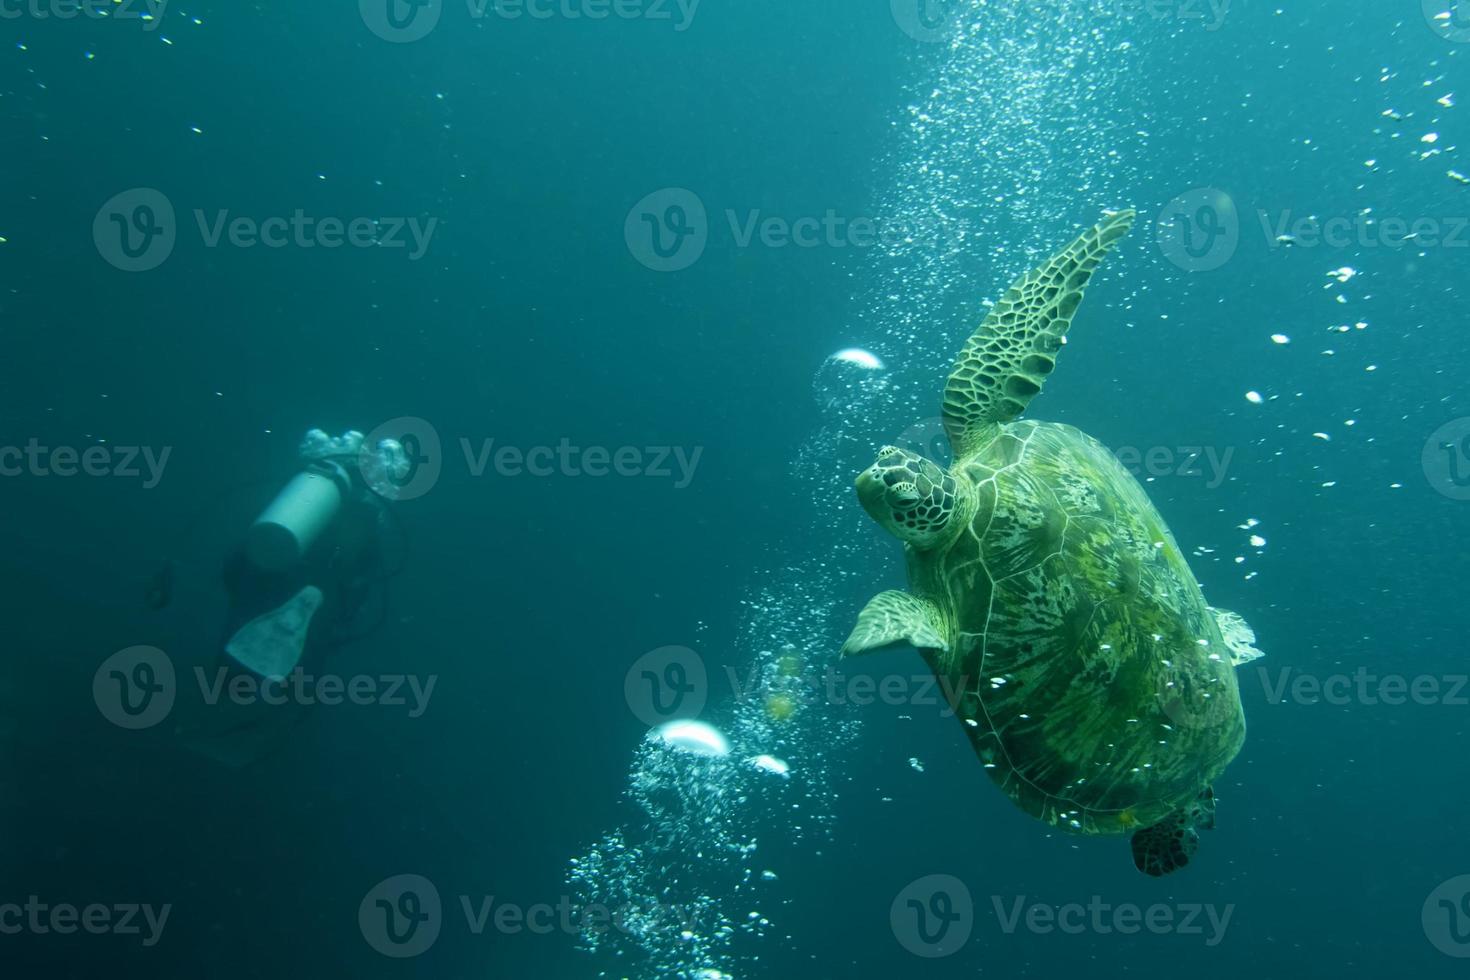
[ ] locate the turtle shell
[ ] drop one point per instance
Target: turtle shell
(1088, 669)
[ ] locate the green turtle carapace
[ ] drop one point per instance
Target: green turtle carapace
(1095, 683)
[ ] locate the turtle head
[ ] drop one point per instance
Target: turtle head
(913, 499)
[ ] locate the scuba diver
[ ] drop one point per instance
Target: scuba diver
(299, 586)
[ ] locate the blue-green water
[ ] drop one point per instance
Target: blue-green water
(624, 248)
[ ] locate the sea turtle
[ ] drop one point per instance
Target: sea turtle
(1048, 596)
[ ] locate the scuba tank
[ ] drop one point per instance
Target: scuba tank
(285, 531)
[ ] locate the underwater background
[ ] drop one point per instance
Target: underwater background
(646, 227)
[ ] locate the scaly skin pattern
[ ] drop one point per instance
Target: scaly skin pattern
(1086, 665)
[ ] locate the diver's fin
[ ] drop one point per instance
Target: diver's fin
(270, 645)
(896, 617)
(1239, 637)
(1168, 845)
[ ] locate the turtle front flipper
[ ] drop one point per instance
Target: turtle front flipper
(1167, 846)
(1002, 367)
(897, 617)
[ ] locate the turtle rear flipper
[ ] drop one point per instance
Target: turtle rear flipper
(1167, 846)
(1239, 637)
